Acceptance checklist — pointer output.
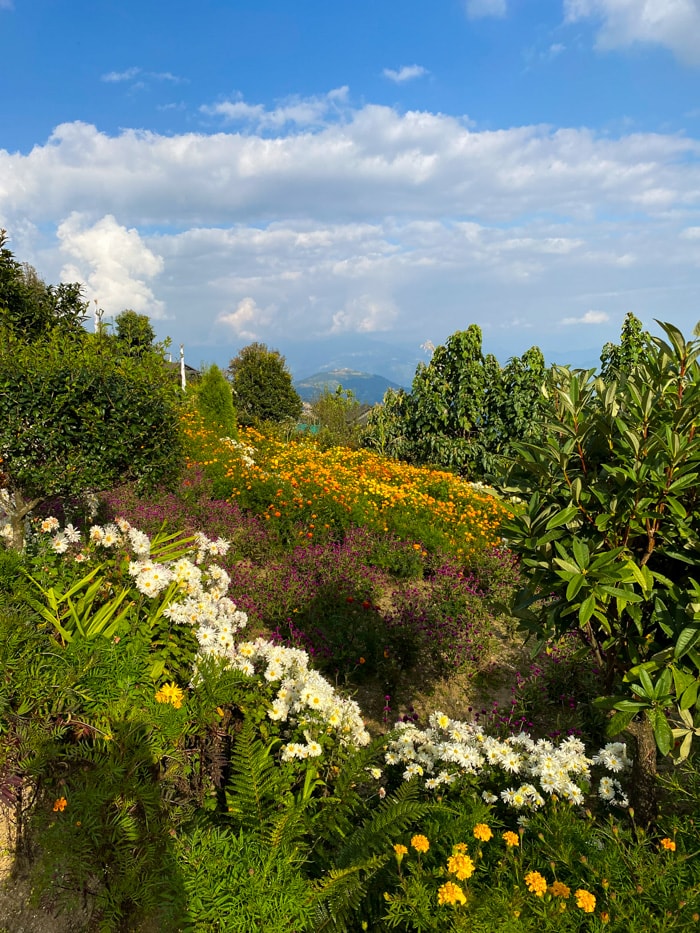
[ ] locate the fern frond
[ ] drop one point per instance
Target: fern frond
(338, 895)
(254, 789)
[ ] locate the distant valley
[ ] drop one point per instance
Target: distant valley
(368, 389)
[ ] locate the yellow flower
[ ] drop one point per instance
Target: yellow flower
(451, 893)
(536, 883)
(60, 804)
(668, 844)
(170, 693)
(420, 843)
(482, 832)
(460, 848)
(400, 851)
(585, 900)
(511, 839)
(559, 889)
(461, 866)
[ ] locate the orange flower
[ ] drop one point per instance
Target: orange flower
(585, 900)
(536, 883)
(60, 804)
(482, 832)
(511, 839)
(559, 889)
(420, 843)
(668, 844)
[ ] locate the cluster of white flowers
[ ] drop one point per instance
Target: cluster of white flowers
(304, 697)
(246, 453)
(198, 598)
(449, 748)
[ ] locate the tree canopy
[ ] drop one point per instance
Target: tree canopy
(464, 409)
(262, 386)
(74, 415)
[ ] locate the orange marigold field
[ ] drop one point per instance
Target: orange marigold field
(317, 493)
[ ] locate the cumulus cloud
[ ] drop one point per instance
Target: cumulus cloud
(355, 223)
(590, 317)
(247, 322)
(406, 73)
(477, 9)
(673, 24)
(112, 262)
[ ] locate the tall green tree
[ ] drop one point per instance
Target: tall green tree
(134, 334)
(463, 410)
(262, 386)
(610, 537)
(616, 360)
(215, 402)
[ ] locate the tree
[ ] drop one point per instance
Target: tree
(74, 416)
(336, 414)
(134, 334)
(215, 402)
(29, 307)
(262, 386)
(610, 536)
(617, 359)
(463, 410)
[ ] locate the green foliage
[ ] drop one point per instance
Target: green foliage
(28, 307)
(262, 386)
(610, 531)
(616, 360)
(215, 402)
(336, 415)
(464, 410)
(73, 418)
(134, 333)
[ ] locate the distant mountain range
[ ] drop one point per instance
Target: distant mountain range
(367, 388)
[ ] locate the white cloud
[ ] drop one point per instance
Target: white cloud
(247, 322)
(673, 24)
(297, 111)
(114, 77)
(356, 224)
(112, 262)
(406, 73)
(477, 9)
(590, 317)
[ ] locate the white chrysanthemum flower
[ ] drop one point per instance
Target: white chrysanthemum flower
(122, 524)
(72, 534)
(96, 534)
(49, 524)
(140, 542)
(60, 543)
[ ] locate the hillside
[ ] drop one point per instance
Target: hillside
(369, 389)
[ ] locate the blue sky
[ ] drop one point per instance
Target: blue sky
(378, 172)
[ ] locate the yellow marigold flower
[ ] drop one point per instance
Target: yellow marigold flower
(483, 832)
(461, 866)
(60, 804)
(170, 693)
(420, 843)
(451, 893)
(536, 883)
(668, 844)
(459, 848)
(400, 850)
(585, 900)
(559, 889)
(511, 839)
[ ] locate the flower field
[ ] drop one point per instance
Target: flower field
(304, 491)
(185, 745)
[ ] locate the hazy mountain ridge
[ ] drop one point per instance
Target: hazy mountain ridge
(367, 387)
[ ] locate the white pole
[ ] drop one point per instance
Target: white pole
(183, 382)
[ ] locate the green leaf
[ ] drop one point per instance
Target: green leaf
(561, 518)
(586, 609)
(575, 585)
(662, 731)
(619, 721)
(687, 640)
(689, 696)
